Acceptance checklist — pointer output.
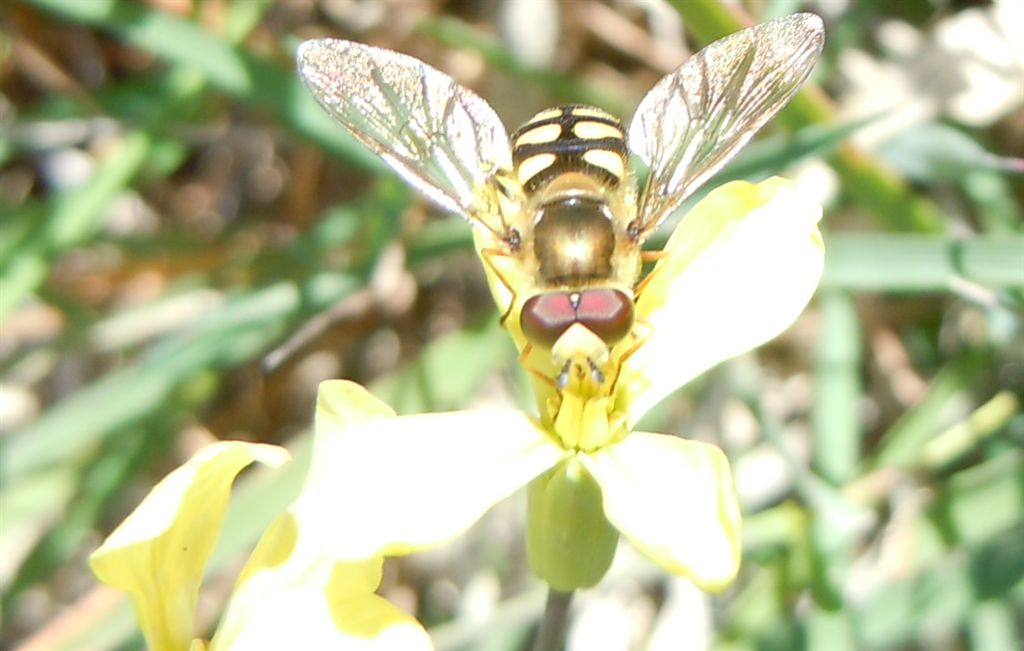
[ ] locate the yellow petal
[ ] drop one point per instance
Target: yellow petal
(395, 485)
(159, 552)
(741, 266)
(293, 593)
(674, 500)
(341, 406)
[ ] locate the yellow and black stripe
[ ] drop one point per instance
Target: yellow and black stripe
(569, 139)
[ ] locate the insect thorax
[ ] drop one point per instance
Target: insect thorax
(570, 160)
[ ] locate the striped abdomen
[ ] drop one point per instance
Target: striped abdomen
(569, 139)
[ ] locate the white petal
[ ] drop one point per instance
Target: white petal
(396, 485)
(674, 500)
(294, 594)
(741, 266)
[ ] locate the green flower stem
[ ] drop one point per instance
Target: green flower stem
(551, 636)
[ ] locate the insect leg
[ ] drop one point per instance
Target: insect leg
(650, 256)
(487, 255)
(524, 355)
(646, 330)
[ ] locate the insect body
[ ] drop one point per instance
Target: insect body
(558, 198)
(572, 164)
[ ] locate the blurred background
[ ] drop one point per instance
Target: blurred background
(189, 245)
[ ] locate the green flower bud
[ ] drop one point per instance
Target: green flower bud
(569, 541)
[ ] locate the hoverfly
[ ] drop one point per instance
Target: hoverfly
(558, 198)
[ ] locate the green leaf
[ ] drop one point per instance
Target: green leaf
(933, 151)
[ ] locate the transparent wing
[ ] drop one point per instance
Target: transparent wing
(439, 136)
(696, 118)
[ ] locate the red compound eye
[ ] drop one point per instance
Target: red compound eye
(546, 316)
(608, 313)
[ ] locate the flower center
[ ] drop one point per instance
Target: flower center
(586, 423)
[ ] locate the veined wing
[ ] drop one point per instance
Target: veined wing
(439, 136)
(696, 118)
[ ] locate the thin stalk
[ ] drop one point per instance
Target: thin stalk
(551, 636)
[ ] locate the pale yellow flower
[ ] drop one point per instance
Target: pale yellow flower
(293, 592)
(737, 271)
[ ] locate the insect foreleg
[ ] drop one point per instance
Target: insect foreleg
(642, 332)
(524, 356)
(487, 256)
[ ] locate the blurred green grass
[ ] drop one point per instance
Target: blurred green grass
(899, 518)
